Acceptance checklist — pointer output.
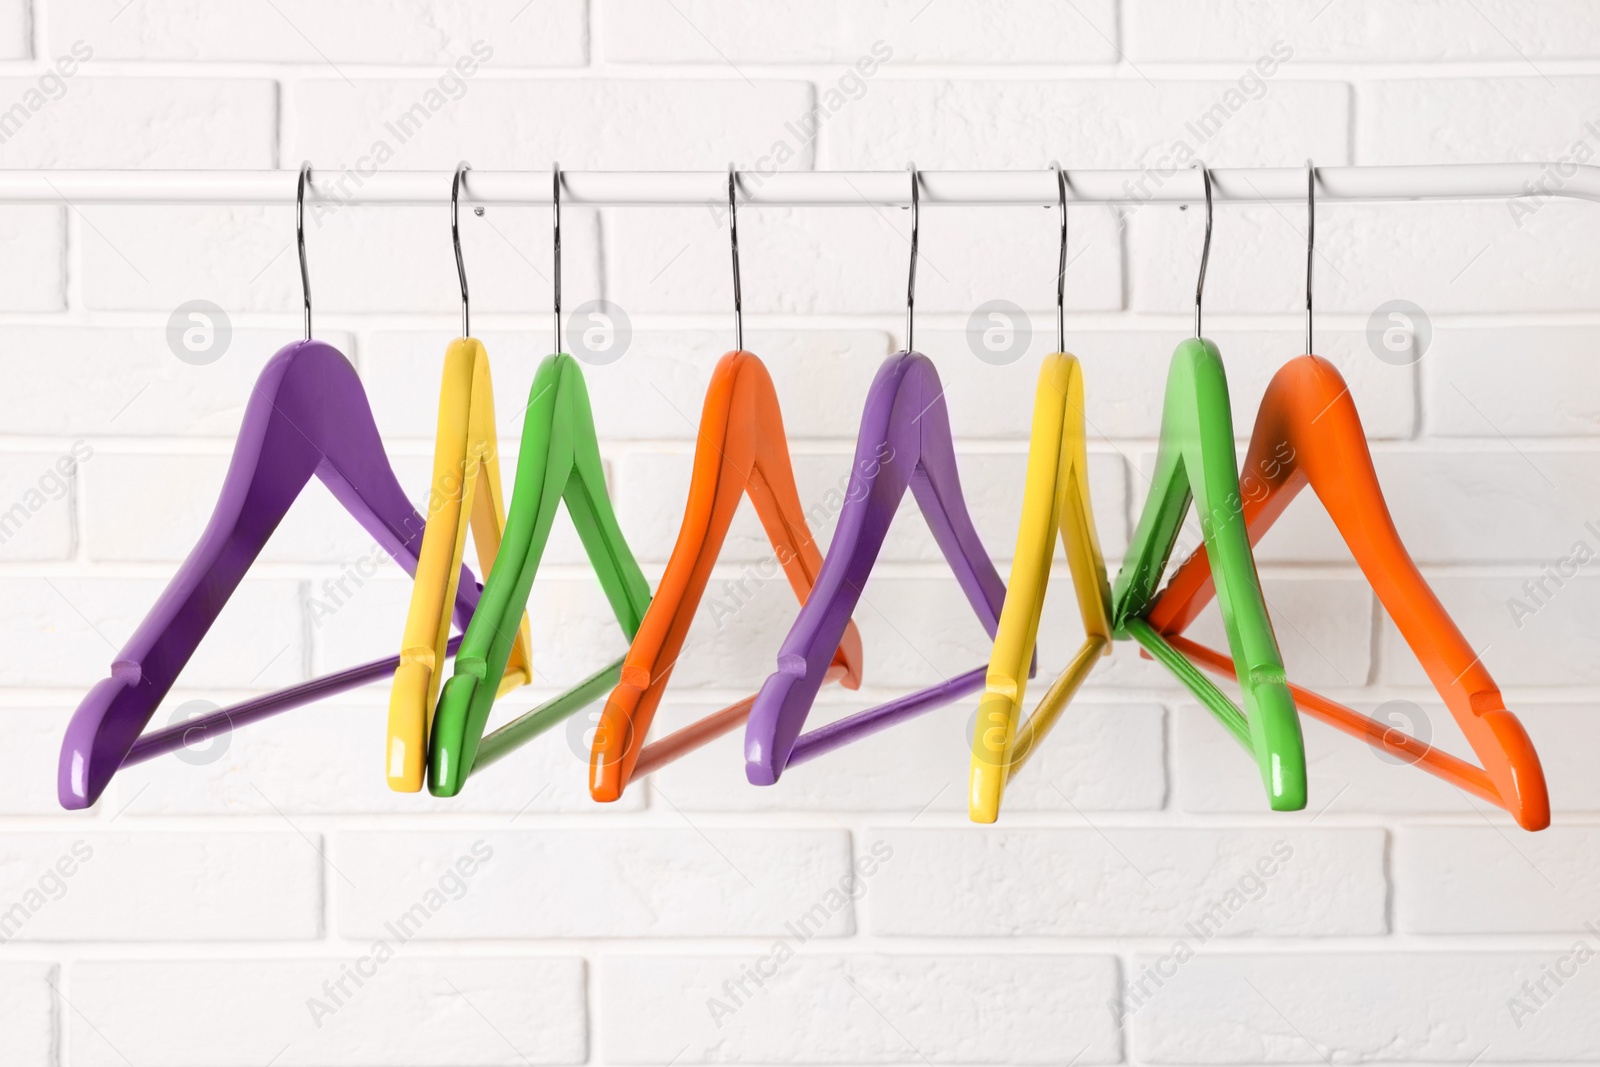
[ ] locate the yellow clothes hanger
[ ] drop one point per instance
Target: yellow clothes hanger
(1055, 497)
(466, 492)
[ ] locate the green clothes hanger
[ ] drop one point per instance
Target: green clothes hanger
(1196, 461)
(559, 460)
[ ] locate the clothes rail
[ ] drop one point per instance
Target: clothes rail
(338, 187)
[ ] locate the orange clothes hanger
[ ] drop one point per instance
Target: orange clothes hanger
(1308, 432)
(741, 450)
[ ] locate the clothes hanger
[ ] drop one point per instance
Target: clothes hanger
(1055, 498)
(465, 493)
(307, 416)
(904, 442)
(1196, 462)
(559, 460)
(1308, 413)
(740, 449)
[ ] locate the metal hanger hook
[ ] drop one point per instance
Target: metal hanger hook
(911, 278)
(555, 214)
(1311, 242)
(300, 239)
(1205, 249)
(455, 239)
(1061, 269)
(733, 231)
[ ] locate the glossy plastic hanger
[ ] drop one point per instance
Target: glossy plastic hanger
(307, 416)
(559, 460)
(1308, 432)
(1196, 462)
(740, 449)
(465, 493)
(904, 442)
(1055, 498)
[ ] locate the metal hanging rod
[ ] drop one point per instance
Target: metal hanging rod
(1462, 181)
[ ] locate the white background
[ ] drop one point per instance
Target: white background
(222, 893)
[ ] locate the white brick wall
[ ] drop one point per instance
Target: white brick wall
(268, 900)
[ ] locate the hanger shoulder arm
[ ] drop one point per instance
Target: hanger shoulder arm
(1274, 722)
(886, 452)
(465, 700)
(773, 492)
(589, 505)
(416, 680)
(717, 483)
(936, 483)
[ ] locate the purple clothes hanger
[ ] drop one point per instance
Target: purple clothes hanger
(307, 415)
(904, 441)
